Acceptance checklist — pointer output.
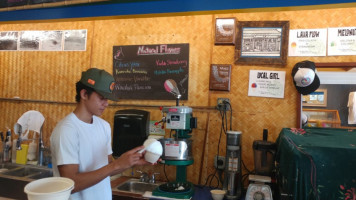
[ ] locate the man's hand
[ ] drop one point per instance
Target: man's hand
(130, 158)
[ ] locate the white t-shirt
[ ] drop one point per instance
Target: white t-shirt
(76, 142)
(352, 108)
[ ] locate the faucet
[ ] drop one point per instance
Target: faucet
(41, 148)
(153, 177)
(146, 178)
(143, 176)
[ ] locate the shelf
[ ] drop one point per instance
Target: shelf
(323, 118)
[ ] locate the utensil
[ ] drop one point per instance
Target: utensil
(152, 145)
(142, 150)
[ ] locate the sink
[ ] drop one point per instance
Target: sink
(27, 172)
(14, 177)
(135, 186)
(42, 174)
(6, 166)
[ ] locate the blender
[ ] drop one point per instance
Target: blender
(177, 150)
(264, 154)
(232, 179)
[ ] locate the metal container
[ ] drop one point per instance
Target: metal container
(176, 149)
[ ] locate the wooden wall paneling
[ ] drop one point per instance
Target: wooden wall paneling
(51, 76)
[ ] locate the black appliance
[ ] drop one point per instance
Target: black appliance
(131, 129)
(264, 155)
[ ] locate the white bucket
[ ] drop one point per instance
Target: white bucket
(53, 188)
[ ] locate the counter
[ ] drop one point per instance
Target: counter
(317, 163)
(201, 192)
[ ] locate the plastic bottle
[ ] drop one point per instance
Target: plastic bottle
(31, 155)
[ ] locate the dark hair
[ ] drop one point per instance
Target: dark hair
(79, 87)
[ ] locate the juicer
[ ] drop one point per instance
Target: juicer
(177, 150)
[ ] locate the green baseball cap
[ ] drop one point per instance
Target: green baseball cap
(101, 81)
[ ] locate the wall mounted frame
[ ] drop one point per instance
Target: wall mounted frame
(262, 42)
(316, 99)
(220, 77)
(225, 30)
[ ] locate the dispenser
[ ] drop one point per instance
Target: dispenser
(131, 129)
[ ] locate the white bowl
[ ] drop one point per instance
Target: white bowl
(53, 188)
(152, 157)
(153, 145)
(148, 141)
(217, 194)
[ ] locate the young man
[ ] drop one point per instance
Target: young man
(81, 142)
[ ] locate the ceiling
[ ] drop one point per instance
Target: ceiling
(148, 7)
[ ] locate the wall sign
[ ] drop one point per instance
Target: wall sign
(264, 83)
(341, 41)
(141, 70)
(220, 77)
(51, 40)
(307, 42)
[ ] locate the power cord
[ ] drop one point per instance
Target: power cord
(224, 127)
(165, 174)
(211, 177)
(227, 102)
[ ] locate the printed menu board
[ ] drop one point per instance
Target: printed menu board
(140, 71)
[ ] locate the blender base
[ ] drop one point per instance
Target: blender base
(187, 194)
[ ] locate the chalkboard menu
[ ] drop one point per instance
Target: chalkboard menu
(140, 71)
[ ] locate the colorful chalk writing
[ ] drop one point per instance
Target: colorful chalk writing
(141, 70)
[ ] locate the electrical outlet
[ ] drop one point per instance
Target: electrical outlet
(219, 162)
(223, 106)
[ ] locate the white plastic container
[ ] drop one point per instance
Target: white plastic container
(53, 188)
(153, 150)
(217, 194)
(151, 157)
(32, 150)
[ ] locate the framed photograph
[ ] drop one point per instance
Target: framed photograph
(262, 42)
(220, 77)
(225, 30)
(318, 98)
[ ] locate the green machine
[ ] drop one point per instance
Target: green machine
(177, 150)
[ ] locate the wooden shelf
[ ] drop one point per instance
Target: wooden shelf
(343, 66)
(323, 118)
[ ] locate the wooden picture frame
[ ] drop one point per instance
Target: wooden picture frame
(220, 77)
(262, 42)
(319, 98)
(225, 31)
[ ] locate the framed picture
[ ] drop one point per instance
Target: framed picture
(220, 77)
(262, 42)
(318, 98)
(225, 30)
